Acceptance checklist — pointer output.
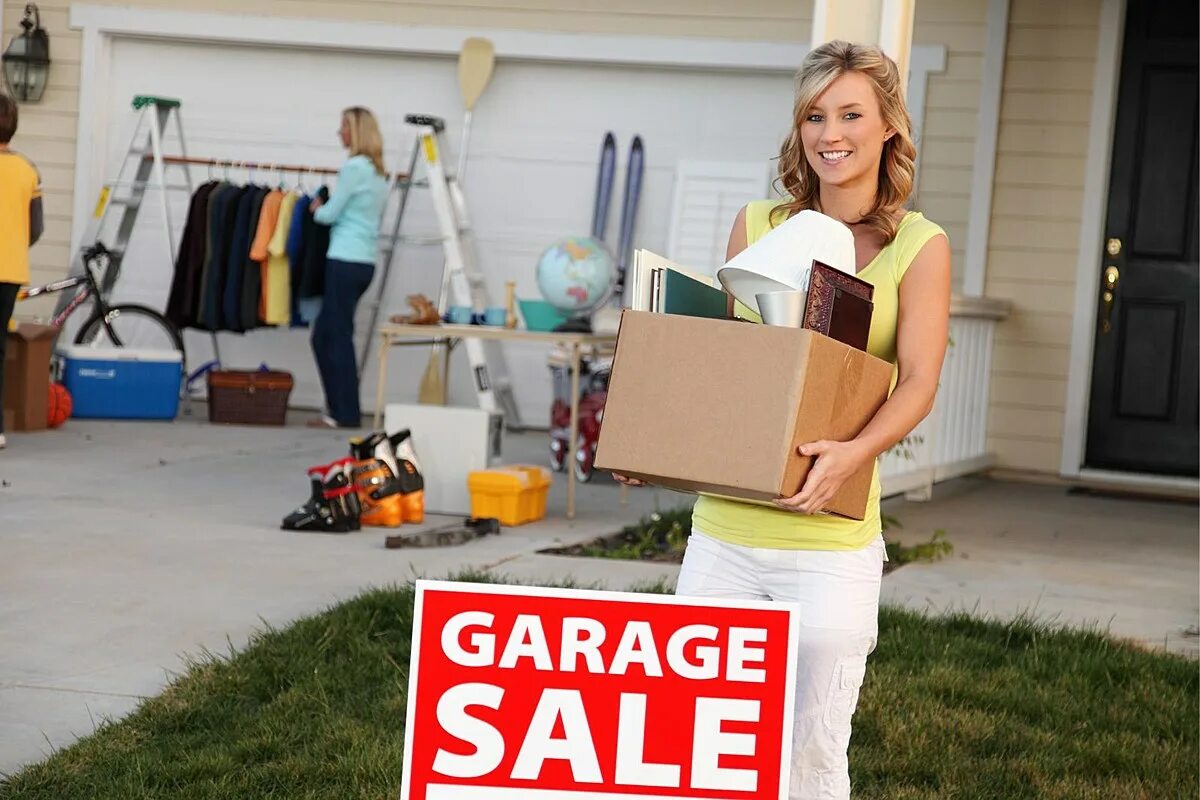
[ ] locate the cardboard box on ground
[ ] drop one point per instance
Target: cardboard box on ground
(720, 406)
(27, 377)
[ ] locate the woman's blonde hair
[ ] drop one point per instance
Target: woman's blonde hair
(798, 180)
(365, 138)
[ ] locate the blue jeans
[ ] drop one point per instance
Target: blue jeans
(333, 338)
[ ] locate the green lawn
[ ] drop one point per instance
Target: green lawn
(952, 708)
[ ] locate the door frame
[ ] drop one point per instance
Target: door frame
(1097, 170)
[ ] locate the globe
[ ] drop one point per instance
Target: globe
(576, 275)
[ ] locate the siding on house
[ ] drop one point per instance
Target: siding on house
(1034, 236)
(951, 116)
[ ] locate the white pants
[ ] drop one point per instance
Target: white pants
(838, 595)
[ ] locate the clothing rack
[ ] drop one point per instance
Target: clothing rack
(396, 180)
(264, 166)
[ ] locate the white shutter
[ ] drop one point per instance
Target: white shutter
(708, 195)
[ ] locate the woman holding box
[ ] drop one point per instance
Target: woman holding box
(850, 155)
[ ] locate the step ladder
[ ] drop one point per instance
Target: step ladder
(143, 167)
(121, 198)
(462, 282)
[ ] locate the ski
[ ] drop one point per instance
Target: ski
(604, 184)
(633, 193)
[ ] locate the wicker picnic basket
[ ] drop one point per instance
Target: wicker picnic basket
(248, 397)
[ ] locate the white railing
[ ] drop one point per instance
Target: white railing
(952, 440)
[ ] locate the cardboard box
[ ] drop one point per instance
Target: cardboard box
(720, 407)
(27, 376)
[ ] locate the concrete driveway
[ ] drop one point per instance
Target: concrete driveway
(125, 547)
(1125, 566)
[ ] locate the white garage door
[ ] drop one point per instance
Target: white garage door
(531, 176)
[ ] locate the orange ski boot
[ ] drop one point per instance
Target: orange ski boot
(378, 494)
(412, 492)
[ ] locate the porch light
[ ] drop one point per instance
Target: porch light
(27, 59)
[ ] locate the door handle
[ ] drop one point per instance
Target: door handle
(1112, 276)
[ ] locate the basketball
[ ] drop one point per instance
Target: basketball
(58, 405)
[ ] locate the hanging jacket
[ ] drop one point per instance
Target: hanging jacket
(212, 246)
(316, 246)
(181, 302)
(214, 291)
(249, 282)
(238, 244)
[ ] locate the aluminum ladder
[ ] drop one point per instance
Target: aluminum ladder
(462, 282)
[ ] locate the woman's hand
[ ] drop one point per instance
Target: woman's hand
(315, 204)
(619, 478)
(836, 462)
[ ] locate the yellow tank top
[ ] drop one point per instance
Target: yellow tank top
(753, 525)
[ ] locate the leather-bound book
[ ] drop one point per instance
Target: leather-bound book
(839, 306)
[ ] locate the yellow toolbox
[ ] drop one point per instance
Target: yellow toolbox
(513, 494)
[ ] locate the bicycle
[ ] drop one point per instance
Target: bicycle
(112, 325)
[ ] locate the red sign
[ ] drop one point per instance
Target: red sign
(524, 693)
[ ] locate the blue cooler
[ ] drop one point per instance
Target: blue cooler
(122, 383)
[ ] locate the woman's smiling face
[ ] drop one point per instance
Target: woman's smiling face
(844, 131)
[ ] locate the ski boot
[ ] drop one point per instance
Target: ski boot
(378, 493)
(387, 481)
(408, 470)
(332, 506)
(303, 517)
(340, 494)
(375, 481)
(412, 492)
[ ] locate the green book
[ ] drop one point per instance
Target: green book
(692, 298)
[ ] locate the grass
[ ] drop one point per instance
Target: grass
(953, 708)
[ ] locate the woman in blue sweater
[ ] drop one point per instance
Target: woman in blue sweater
(353, 211)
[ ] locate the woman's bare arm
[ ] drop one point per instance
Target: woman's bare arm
(921, 335)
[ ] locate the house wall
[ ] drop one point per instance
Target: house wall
(951, 110)
(1034, 236)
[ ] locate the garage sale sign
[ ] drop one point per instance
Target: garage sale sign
(521, 693)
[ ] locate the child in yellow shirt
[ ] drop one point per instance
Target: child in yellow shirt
(20, 225)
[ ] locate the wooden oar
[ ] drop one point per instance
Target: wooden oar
(475, 62)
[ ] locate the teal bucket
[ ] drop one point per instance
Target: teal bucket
(540, 315)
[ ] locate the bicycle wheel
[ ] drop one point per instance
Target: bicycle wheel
(130, 325)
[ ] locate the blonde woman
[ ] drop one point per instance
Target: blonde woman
(353, 211)
(849, 155)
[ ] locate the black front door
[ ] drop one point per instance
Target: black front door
(1144, 403)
